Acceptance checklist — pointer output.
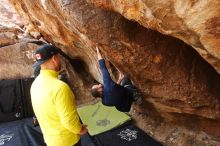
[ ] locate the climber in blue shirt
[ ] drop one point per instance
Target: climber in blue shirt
(120, 94)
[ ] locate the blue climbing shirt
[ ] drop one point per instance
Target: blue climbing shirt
(114, 94)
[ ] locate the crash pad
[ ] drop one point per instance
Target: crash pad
(126, 135)
(101, 118)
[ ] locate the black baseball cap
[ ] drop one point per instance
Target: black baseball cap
(45, 52)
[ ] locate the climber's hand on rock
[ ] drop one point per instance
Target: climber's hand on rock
(98, 53)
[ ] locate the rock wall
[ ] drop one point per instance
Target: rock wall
(15, 54)
(196, 22)
(18, 42)
(181, 99)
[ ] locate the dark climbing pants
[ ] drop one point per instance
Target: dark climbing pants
(126, 82)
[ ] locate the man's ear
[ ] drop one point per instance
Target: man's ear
(54, 58)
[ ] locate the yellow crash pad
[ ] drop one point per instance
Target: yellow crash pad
(101, 118)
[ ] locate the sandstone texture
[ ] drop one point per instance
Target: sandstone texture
(196, 22)
(181, 97)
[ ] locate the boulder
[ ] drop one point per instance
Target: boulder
(181, 100)
(194, 22)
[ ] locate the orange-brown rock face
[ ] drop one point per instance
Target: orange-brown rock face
(196, 22)
(8, 16)
(16, 56)
(181, 97)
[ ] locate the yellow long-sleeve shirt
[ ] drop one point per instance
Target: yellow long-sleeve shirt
(54, 105)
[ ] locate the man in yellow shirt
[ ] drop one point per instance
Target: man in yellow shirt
(53, 102)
